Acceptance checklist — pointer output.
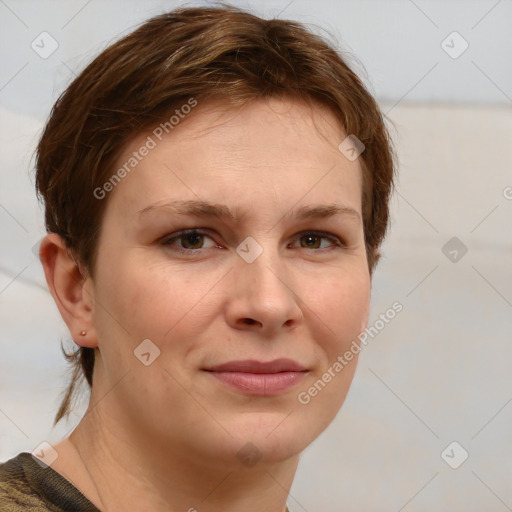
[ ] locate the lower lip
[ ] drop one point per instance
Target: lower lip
(261, 384)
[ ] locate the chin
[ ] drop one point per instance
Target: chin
(270, 438)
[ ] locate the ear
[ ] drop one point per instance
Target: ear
(71, 290)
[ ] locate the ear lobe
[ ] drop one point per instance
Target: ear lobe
(67, 286)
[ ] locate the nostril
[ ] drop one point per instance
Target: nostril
(249, 321)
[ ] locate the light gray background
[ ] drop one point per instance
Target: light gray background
(440, 371)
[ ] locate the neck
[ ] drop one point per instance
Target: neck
(127, 470)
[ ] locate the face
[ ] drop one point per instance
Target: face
(236, 247)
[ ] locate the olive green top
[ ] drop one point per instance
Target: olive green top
(28, 485)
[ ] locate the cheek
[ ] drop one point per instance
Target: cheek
(344, 309)
(127, 305)
(151, 301)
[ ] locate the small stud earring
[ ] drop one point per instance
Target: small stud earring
(83, 333)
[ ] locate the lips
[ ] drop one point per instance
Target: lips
(252, 366)
(259, 378)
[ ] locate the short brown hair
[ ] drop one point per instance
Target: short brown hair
(203, 53)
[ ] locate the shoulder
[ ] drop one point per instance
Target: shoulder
(16, 493)
(26, 483)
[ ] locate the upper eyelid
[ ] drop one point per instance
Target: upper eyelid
(183, 232)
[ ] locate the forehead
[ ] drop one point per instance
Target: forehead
(267, 152)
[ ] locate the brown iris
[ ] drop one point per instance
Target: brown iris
(313, 241)
(192, 240)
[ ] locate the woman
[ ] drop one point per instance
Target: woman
(216, 191)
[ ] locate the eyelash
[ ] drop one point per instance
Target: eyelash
(180, 234)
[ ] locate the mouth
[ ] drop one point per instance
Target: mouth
(259, 378)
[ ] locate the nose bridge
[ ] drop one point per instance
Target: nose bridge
(261, 263)
(263, 284)
(268, 282)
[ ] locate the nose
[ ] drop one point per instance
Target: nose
(264, 297)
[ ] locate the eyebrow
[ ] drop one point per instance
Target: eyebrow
(221, 211)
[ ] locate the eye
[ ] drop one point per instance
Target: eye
(190, 240)
(315, 240)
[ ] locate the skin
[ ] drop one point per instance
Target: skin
(166, 436)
